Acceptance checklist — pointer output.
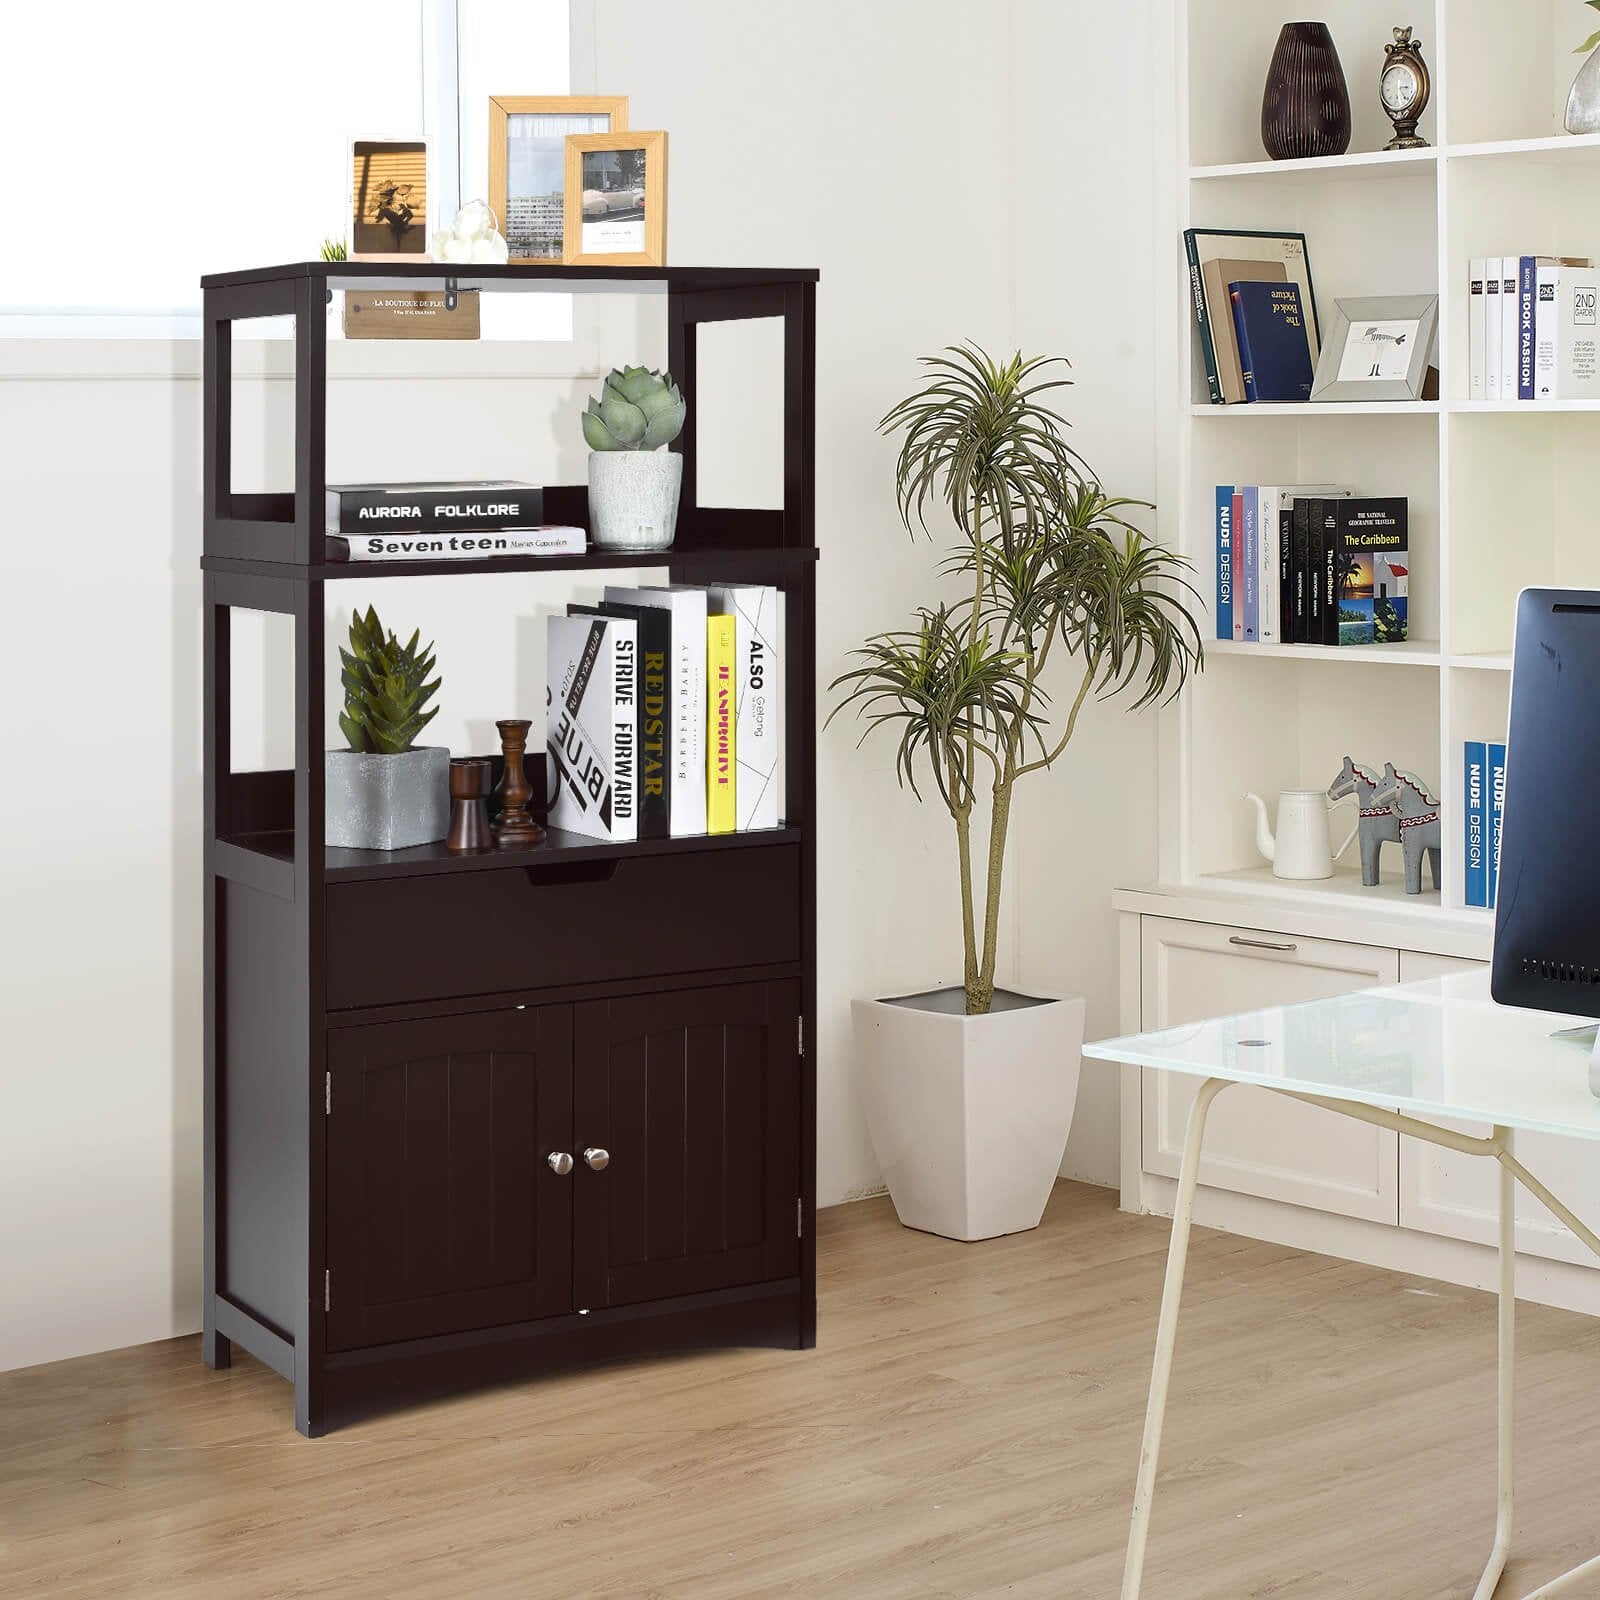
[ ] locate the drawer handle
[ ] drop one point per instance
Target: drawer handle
(560, 1162)
(597, 1159)
(550, 873)
(1286, 948)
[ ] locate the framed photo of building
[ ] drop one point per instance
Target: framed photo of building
(389, 200)
(616, 199)
(527, 163)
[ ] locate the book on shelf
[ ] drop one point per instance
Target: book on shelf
(1237, 557)
(1269, 322)
(686, 610)
(1475, 822)
(1249, 551)
(591, 725)
(1505, 368)
(653, 710)
(1496, 752)
(1211, 306)
(1565, 365)
(1477, 325)
(758, 723)
(722, 656)
(547, 541)
(1279, 503)
(1365, 564)
(1224, 544)
(1217, 274)
(468, 507)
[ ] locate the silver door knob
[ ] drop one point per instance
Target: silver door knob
(560, 1163)
(597, 1158)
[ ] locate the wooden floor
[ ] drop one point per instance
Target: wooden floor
(968, 1426)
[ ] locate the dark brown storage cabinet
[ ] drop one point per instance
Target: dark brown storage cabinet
(564, 1109)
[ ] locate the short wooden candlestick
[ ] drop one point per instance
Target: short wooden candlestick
(470, 778)
(514, 828)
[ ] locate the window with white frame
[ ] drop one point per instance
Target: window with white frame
(149, 145)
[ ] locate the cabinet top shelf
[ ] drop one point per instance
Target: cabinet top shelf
(516, 276)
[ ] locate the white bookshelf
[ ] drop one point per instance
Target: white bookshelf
(1501, 495)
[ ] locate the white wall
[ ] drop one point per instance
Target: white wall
(906, 142)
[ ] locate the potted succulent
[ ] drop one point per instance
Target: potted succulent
(633, 479)
(386, 792)
(969, 1090)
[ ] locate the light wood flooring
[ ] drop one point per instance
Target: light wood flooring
(968, 1426)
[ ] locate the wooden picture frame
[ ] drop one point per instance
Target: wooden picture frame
(582, 247)
(532, 237)
(388, 200)
(1380, 318)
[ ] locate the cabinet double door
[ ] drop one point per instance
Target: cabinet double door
(497, 1167)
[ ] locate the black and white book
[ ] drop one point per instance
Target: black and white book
(653, 710)
(549, 541)
(591, 725)
(758, 711)
(470, 507)
(687, 777)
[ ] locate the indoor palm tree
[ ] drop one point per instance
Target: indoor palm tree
(1052, 569)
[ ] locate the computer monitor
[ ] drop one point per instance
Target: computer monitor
(1547, 903)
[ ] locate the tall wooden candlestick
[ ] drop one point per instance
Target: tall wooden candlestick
(514, 828)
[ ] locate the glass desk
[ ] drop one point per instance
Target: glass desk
(1396, 1056)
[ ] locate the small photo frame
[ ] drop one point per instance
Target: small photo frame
(528, 163)
(616, 196)
(389, 200)
(1377, 348)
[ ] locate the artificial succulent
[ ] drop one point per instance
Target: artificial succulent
(637, 410)
(385, 688)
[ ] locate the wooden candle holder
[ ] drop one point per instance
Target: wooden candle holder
(513, 828)
(470, 777)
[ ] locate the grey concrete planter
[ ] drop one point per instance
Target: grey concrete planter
(633, 498)
(388, 802)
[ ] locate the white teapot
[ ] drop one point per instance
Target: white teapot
(1300, 848)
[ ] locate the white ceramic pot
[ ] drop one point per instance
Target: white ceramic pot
(969, 1116)
(633, 498)
(377, 802)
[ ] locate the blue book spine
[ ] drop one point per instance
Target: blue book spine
(1475, 811)
(1527, 291)
(1249, 560)
(1497, 813)
(1224, 560)
(1274, 352)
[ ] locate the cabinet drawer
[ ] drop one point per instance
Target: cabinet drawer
(393, 940)
(1259, 1143)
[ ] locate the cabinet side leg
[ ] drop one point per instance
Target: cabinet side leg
(216, 1349)
(1166, 1339)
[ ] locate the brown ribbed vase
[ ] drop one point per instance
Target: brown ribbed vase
(1305, 108)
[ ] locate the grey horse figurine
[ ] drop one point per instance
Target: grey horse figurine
(1378, 824)
(1420, 832)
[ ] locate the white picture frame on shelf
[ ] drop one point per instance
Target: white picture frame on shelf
(1377, 347)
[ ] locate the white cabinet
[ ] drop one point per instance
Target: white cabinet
(1459, 1195)
(1258, 1143)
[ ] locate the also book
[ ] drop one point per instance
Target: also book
(591, 725)
(722, 654)
(758, 702)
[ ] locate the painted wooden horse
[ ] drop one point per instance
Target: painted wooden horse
(1420, 831)
(1377, 824)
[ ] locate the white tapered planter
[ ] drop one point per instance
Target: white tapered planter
(969, 1116)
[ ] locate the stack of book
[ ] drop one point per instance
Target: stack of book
(1255, 313)
(1311, 564)
(665, 712)
(1483, 813)
(1533, 328)
(442, 522)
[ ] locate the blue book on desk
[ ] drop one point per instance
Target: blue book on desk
(1274, 351)
(1497, 815)
(1475, 813)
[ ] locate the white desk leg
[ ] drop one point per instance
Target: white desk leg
(1166, 1338)
(1508, 1386)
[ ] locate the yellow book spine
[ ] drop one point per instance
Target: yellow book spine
(722, 654)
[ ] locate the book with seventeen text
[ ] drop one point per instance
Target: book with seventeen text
(547, 541)
(686, 778)
(758, 706)
(591, 725)
(722, 657)
(653, 711)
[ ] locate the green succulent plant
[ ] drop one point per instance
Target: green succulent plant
(385, 688)
(637, 410)
(1594, 38)
(335, 250)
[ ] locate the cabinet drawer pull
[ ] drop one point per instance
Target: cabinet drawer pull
(1286, 947)
(550, 873)
(597, 1159)
(560, 1162)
